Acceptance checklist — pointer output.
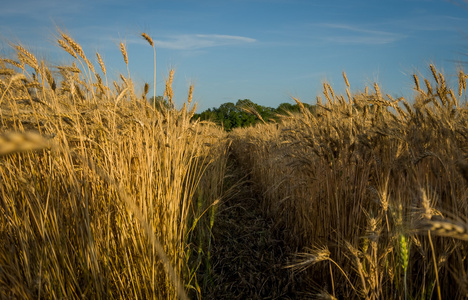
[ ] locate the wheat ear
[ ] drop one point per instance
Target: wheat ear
(150, 41)
(445, 228)
(124, 52)
(20, 142)
(101, 63)
(67, 48)
(30, 58)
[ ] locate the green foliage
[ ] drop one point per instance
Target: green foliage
(231, 115)
(160, 103)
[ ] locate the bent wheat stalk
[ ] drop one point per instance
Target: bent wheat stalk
(21, 142)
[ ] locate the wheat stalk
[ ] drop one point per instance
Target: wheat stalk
(12, 62)
(443, 227)
(404, 258)
(461, 82)
(416, 82)
(50, 79)
(150, 41)
(346, 79)
(7, 72)
(69, 69)
(67, 48)
(20, 142)
(145, 90)
(377, 91)
(30, 58)
(306, 260)
(192, 111)
(74, 45)
(253, 111)
(124, 52)
(101, 63)
(77, 48)
(147, 228)
(168, 92)
(190, 94)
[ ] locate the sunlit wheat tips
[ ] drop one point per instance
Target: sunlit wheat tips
(124, 52)
(67, 48)
(101, 63)
(12, 62)
(461, 82)
(346, 79)
(190, 94)
(145, 89)
(148, 39)
(27, 56)
(77, 48)
(74, 45)
(169, 92)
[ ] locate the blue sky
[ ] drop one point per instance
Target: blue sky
(263, 50)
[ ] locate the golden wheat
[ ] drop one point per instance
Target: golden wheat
(12, 62)
(27, 57)
(20, 142)
(101, 63)
(190, 94)
(123, 50)
(116, 230)
(148, 39)
(67, 48)
(316, 172)
(74, 45)
(445, 228)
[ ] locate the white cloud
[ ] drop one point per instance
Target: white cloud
(347, 34)
(199, 41)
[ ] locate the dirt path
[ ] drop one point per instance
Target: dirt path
(247, 259)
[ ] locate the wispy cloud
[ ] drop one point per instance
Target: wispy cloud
(349, 34)
(430, 22)
(39, 9)
(199, 41)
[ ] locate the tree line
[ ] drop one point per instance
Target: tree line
(243, 113)
(246, 113)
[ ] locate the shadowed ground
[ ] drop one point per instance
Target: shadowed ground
(248, 258)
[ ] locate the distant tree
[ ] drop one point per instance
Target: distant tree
(245, 102)
(283, 108)
(311, 108)
(228, 114)
(267, 113)
(244, 113)
(160, 102)
(206, 115)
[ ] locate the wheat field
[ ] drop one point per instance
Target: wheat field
(101, 193)
(105, 195)
(370, 191)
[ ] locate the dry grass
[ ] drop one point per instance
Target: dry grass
(368, 179)
(102, 196)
